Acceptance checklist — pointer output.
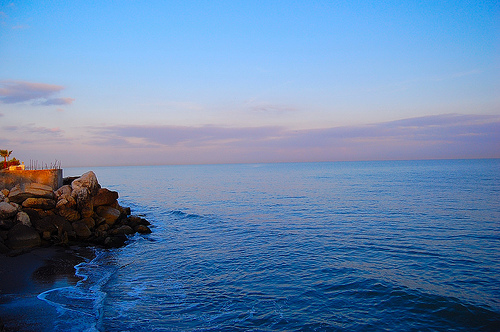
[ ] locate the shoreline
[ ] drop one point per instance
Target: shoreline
(24, 277)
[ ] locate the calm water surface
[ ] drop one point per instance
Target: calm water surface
(358, 246)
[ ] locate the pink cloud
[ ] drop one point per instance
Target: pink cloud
(441, 136)
(12, 92)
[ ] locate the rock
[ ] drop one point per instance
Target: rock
(135, 220)
(68, 180)
(2, 196)
(115, 241)
(69, 214)
(87, 180)
(23, 237)
(6, 224)
(3, 250)
(46, 224)
(32, 213)
(127, 230)
(142, 229)
(81, 229)
(39, 203)
(7, 210)
(105, 197)
(5, 192)
(46, 236)
(33, 190)
(108, 213)
(89, 222)
(23, 218)
(64, 190)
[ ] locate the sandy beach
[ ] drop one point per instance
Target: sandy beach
(24, 277)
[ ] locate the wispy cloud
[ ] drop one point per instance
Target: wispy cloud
(272, 108)
(12, 92)
(441, 136)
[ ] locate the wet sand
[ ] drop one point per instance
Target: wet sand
(24, 277)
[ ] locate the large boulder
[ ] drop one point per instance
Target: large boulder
(22, 237)
(32, 190)
(105, 197)
(7, 210)
(108, 213)
(87, 180)
(39, 203)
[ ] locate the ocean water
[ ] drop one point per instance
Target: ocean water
(347, 246)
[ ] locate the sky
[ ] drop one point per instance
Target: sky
(105, 83)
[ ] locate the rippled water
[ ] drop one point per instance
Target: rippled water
(410, 245)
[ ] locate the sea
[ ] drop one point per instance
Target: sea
(331, 246)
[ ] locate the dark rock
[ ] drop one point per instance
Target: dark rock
(127, 230)
(81, 229)
(6, 224)
(89, 221)
(105, 197)
(108, 213)
(23, 237)
(115, 241)
(69, 179)
(32, 213)
(142, 229)
(45, 225)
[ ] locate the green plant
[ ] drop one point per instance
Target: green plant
(5, 154)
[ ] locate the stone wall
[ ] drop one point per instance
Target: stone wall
(49, 177)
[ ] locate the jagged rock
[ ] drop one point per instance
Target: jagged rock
(23, 237)
(7, 210)
(108, 213)
(69, 214)
(33, 190)
(2, 196)
(105, 197)
(23, 218)
(142, 229)
(39, 203)
(81, 229)
(5, 192)
(87, 180)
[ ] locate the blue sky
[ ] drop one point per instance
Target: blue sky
(161, 82)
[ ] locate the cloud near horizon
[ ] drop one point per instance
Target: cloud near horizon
(38, 94)
(440, 136)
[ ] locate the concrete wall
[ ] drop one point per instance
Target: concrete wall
(49, 177)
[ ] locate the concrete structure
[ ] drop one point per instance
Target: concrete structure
(48, 177)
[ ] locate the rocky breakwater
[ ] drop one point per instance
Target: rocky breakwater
(79, 212)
